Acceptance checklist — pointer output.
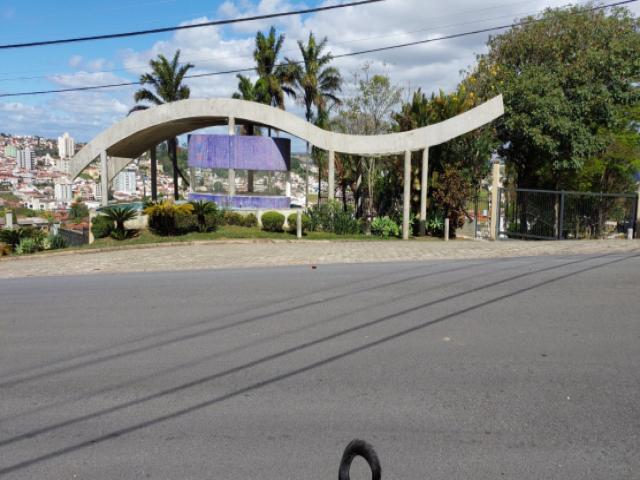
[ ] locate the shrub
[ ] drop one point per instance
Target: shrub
(331, 217)
(384, 227)
(233, 218)
(293, 221)
(10, 237)
(101, 227)
(272, 222)
(163, 218)
(57, 242)
(213, 221)
(185, 223)
(250, 221)
(27, 245)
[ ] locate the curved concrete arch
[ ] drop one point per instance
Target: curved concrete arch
(140, 131)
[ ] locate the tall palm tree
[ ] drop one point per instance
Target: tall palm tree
(317, 85)
(274, 80)
(166, 79)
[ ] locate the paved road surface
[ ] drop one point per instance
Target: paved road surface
(515, 368)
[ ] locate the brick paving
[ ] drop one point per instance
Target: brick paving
(235, 254)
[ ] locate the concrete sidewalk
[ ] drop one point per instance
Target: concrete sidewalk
(233, 254)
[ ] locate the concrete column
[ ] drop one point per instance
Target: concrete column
(299, 223)
(496, 184)
(423, 191)
(232, 172)
(232, 181)
(287, 184)
(154, 173)
(406, 201)
(331, 195)
(8, 219)
(104, 179)
(250, 174)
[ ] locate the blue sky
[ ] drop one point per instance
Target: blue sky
(432, 66)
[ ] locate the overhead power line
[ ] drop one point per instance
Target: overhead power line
(344, 55)
(433, 28)
(186, 27)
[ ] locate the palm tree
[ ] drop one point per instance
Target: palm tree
(166, 79)
(202, 208)
(317, 85)
(119, 215)
(274, 80)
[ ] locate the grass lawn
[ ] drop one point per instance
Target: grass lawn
(227, 232)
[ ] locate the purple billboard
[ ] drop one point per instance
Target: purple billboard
(240, 152)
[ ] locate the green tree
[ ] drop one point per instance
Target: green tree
(78, 211)
(166, 79)
(274, 80)
(317, 85)
(368, 112)
(568, 81)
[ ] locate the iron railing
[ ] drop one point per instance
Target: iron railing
(563, 215)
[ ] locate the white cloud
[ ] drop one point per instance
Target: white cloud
(75, 61)
(430, 66)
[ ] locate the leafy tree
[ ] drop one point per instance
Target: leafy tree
(568, 81)
(166, 79)
(78, 211)
(368, 112)
(469, 155)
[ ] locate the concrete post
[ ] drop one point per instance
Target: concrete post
(332, 176)
(638, 214)
(287, 184)
(232, 172)
(299, 223)
(104, 179)
(8, 219)
(446, 229)
(92, 216)
(423, 191)
(406, 201)
(496, 184)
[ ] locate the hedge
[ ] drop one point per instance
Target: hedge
(293, 222)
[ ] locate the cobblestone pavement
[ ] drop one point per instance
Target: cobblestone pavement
(233, 254)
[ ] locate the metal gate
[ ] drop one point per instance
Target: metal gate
(559, 215)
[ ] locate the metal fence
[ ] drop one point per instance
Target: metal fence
(551, 215)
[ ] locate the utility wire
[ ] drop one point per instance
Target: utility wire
(294, 50)
(185, 27)
(344, 55)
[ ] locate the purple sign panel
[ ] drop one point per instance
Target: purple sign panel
(244, 202)
(240, 152)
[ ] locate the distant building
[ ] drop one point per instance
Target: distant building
(25, 159)
(62, 191)
(125, 181)
(62, 165)
(66, 146)
(10, 151)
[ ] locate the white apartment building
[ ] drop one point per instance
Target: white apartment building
(125, 181)
(62, 165)
(25, 159)
(66, 146)
(62, 191)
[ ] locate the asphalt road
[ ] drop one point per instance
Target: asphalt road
(521, 369)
